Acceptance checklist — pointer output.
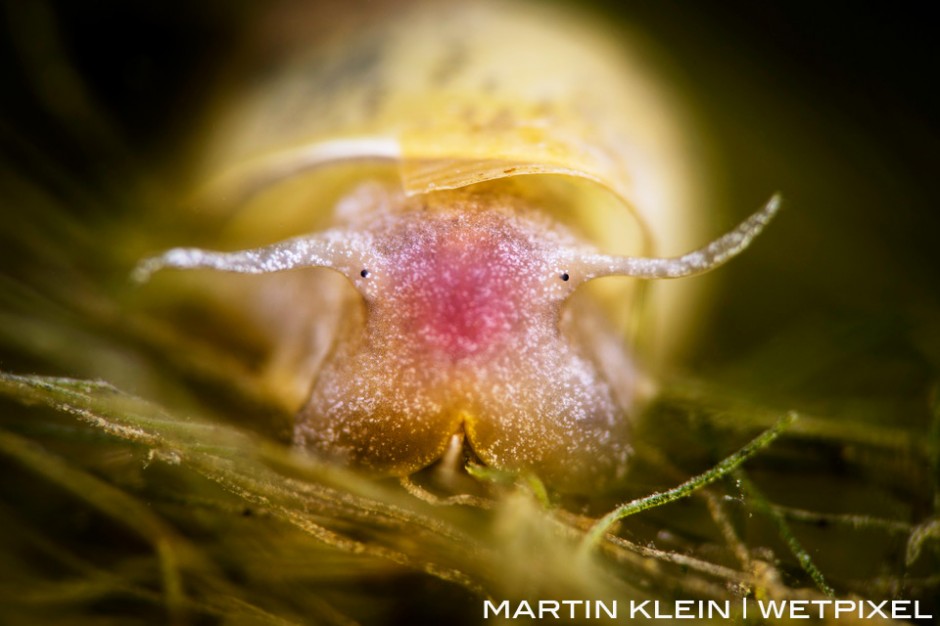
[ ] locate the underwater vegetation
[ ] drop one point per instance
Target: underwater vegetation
(778, 431)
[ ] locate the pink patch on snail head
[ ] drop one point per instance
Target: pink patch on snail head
(459, 327)
(459, 285)
(461, 332)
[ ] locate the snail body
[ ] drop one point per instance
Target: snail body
(466, 265)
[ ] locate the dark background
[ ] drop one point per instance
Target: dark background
(833, 104)
(836, 306)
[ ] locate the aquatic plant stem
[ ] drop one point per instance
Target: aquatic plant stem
(761, 503)
(722, 469)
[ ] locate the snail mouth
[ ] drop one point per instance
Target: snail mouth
(450, 469)
(458, 452)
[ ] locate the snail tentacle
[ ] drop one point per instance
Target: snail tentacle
(334, 249)
(705, 259)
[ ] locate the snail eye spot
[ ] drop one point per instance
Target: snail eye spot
(364, 273)
(564, 276)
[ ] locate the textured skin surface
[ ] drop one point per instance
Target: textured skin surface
(501, 121)
(460, 284)
(463, 326)
(462, 309)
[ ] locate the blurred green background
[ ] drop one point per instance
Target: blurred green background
(834, 312)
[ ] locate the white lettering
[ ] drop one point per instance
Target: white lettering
(683, 609)
(611, 612)
(571, 604)
(544, 608)
(722, 609)
(876, 608)
(639, 608)
(657, 614)
(822, 604)
(772, 608)
(844, 606)
(524, 610)
(712, 609)
(897, 611)
(798, 609)
(488, 606)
